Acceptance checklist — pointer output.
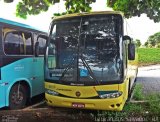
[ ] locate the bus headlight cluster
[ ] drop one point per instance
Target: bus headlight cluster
(51, 92)
(111, 95)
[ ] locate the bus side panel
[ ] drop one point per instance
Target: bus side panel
(2, 85)
(3, 94)
(133, 69)
(23, 69)
(124, 87)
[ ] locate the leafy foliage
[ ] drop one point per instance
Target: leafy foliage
(138, 42)
(75, 6)
(31, 7)
(8, 1)
(153, 40)
(34, 7)
(146, 44)
(132, 8)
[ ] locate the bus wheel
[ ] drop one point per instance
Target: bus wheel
(17, 96)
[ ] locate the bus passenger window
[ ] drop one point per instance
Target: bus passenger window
(18, 43)
(12, 44)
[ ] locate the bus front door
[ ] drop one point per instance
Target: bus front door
(38, 73)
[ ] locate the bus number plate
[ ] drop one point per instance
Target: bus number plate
(78, 105)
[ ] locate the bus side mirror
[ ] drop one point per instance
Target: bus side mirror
(127, 38)
(131, 51)
(37, 49)
(131, 48)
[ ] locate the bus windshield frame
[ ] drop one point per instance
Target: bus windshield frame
(85, 50)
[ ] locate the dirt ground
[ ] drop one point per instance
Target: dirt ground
(45, 115)
(38, 111)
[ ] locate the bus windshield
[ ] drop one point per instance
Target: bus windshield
(85, 49)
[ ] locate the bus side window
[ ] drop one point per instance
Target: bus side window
(17, 43)
(12, 44)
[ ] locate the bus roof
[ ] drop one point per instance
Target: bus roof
(19, 24)
(87, 14)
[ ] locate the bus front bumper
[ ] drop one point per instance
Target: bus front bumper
(115, 104)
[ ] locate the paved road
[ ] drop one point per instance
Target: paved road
(149, 77)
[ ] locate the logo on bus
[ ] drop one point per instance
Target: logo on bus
(78, 94)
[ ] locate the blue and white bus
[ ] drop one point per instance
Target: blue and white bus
(21, 63)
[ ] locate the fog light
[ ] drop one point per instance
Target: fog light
(51, 92)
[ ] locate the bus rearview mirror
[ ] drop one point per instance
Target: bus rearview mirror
(127, 38)
(131, 51)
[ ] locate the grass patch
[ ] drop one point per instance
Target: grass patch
(138, 92)
(131, 108)
(132, 112)
(148, 56)
(147, 111)
(153, 97)
(153, 104)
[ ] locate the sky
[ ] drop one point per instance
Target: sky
(137, 27)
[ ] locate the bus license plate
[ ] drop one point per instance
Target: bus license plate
(78, 105)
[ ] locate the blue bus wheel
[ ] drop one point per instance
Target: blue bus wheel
(17, 97)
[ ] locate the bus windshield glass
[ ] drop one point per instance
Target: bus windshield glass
(85, 49)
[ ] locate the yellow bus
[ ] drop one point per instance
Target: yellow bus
(89, 63)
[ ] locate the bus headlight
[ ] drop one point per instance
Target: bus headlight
(111, 95)
(51, 92)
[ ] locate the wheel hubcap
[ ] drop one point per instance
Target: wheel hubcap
(17, 97)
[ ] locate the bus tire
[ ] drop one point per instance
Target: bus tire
(17, 98)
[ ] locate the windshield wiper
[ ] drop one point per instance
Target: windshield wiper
(66, 69)
(81, 57)
(89, 69)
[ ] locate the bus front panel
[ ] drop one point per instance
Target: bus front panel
(103, 97)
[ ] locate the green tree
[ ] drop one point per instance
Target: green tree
(157, 45)
(151, 40)
(146, 44)
(132, 8)
(34, 7)
(8, 1)
(154, 39)
(157, 37)
(138, 42)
